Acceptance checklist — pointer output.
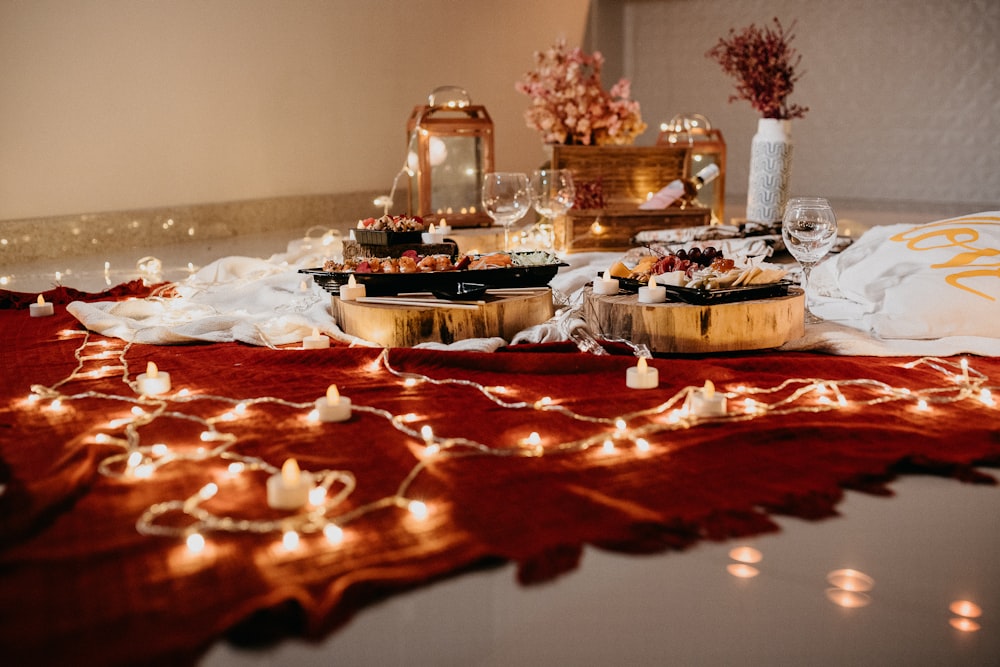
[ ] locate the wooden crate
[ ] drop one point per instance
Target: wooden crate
(612, 181)
(608, 230)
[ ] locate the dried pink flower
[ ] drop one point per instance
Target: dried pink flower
(569, 105)
(763, 63)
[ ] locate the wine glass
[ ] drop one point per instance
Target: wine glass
(506, 199)
(809, 229)
(552, 192)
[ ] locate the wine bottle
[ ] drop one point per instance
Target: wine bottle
(683, 190)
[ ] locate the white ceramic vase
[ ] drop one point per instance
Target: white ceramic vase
(770, 167)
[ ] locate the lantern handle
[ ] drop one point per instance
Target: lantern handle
(449, 97)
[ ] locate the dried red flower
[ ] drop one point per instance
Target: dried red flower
(764, 64)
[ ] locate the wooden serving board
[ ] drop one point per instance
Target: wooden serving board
(397, 325)
(689, 329)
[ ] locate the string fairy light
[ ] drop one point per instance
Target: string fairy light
(136, 462)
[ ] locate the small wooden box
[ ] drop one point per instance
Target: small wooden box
(608, 230)
(611, 183)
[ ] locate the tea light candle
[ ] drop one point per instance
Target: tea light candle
(41, 308)
(652, 293)
(432, 235)
(153, 381)
(316, 341)
(606, 285)
(352, 290)
(642, 376)
(705, 402)
(333, 407)
(289, 489)
(443, 227)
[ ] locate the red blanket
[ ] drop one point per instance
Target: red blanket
(80, 584)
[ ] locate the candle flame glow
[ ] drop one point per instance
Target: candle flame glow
(290, 472)
(964, 624)
(709, 389)
(742, 570)
(351, 282)
(850, 580)
(151, 370)
(746, 555)
(41, 300)
(332, 394)
(642, 365)
(965, 608)
(848, 599)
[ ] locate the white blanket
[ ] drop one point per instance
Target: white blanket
(915, 289)
(267, 302)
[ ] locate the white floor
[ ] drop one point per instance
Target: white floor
(935, 543)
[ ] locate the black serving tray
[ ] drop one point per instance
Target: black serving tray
(448, 282)
(381, 237)
(706, 297)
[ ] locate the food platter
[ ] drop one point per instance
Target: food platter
(453, 282)
(706, 297)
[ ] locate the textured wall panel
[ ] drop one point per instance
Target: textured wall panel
(904, 95)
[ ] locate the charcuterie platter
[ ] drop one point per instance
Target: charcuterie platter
(703, 302)
(494, 271)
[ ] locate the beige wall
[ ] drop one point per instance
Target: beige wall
(904, 95)
(118, 104)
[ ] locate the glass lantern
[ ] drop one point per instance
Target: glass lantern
(450, 149)
(707, 147)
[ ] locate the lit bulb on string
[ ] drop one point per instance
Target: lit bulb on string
(195, 543)
(290, 540)
(418, 509)
(333, 533)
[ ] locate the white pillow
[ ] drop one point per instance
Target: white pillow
(924, 281)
